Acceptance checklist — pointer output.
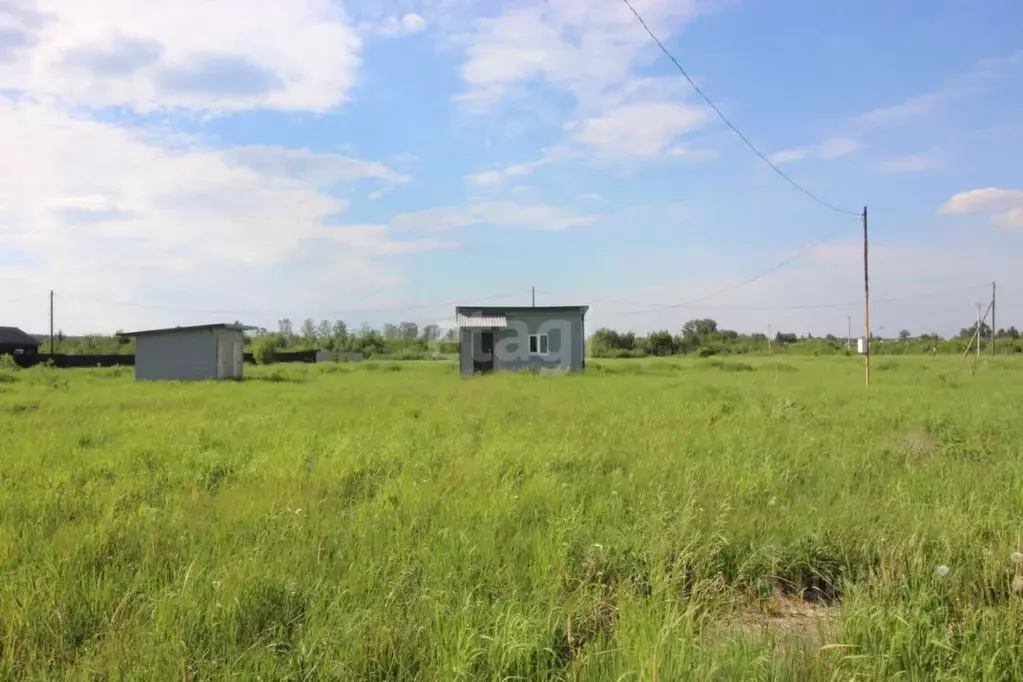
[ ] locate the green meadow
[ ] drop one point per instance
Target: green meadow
(683, 519)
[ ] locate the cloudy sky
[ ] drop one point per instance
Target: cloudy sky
(383, 160)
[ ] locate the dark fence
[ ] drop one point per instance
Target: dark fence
(70, 361)
(60, 360)
(292, 356)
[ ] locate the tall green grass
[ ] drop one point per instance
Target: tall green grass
(662, 519)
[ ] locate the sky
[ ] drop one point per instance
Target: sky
(385, 160)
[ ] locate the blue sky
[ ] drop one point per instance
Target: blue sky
(382, 161)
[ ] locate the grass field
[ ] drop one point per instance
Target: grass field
(669, 520)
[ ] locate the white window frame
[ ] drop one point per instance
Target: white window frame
(540, 338)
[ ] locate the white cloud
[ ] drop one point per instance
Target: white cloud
(836, 146)
(485, 178)
(193, 54)
(831, 148)
(496, 176)
(394, 27)
(503, 214)
(105, 209)
(376, 196)
(910, 163)
(595, 57)
(1005, 205)
(375, 239)
(317, 168)
(637, 129)
(566, 44)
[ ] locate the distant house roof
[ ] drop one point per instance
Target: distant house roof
(12, 336)
(197, 327)
(499, 311)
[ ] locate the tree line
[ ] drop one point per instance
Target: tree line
(704, 337)
(408, 340)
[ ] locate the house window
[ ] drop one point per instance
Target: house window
(539, 344)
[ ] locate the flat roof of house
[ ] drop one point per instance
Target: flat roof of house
(12, 336)
(496, 311)
(197, 327)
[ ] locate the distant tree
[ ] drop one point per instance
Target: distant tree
(263, 349)
(785, 338)
(408, 331)
(284, 328)
(702, 327)
(661, 343)
(338, 336)
(309, 329)
(390, 331)
(904, 335)
(431, 333)
(323, 331)
(968, 332)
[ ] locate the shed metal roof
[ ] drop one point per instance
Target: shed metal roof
(197, 327)
(495, 311)
(12, 336)
(481, 321)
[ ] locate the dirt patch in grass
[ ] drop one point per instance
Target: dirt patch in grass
(788, 618)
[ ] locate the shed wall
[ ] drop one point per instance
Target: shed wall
(566, 333)
(189, 355)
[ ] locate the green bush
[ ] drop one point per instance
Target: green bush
(263, 349)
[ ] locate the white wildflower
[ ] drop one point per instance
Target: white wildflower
(1016, 557)
(1017, 584)
(941, 571)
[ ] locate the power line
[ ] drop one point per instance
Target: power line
(811, 306)
(749, 280)
(261, 313)
(728, 123)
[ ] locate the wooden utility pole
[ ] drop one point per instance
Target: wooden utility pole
(51, 322)
(979, 322)
(848, 331)
(994, 334)
(866, 301)
(769, 330)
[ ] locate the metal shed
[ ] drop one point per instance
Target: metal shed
(208, 351)
(19, 345)
(494, 339)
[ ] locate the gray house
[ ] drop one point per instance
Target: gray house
(493, 339)
(209, 351)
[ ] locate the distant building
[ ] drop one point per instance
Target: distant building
(494, 339)
(209, 351)
(19, 345)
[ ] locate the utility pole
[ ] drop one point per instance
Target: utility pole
(979, 322)
(534, 297)
(994, 334)
(848, 331)
(769, 330)
(51, 322)
(866, 301)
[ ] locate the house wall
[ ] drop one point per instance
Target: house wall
(187, 355)
(565, 330)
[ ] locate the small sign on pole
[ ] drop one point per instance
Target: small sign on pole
(861, 346)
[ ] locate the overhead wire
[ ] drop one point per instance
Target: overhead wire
(809, 306)
(724, 119)
(264, 313)
(749, 280)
